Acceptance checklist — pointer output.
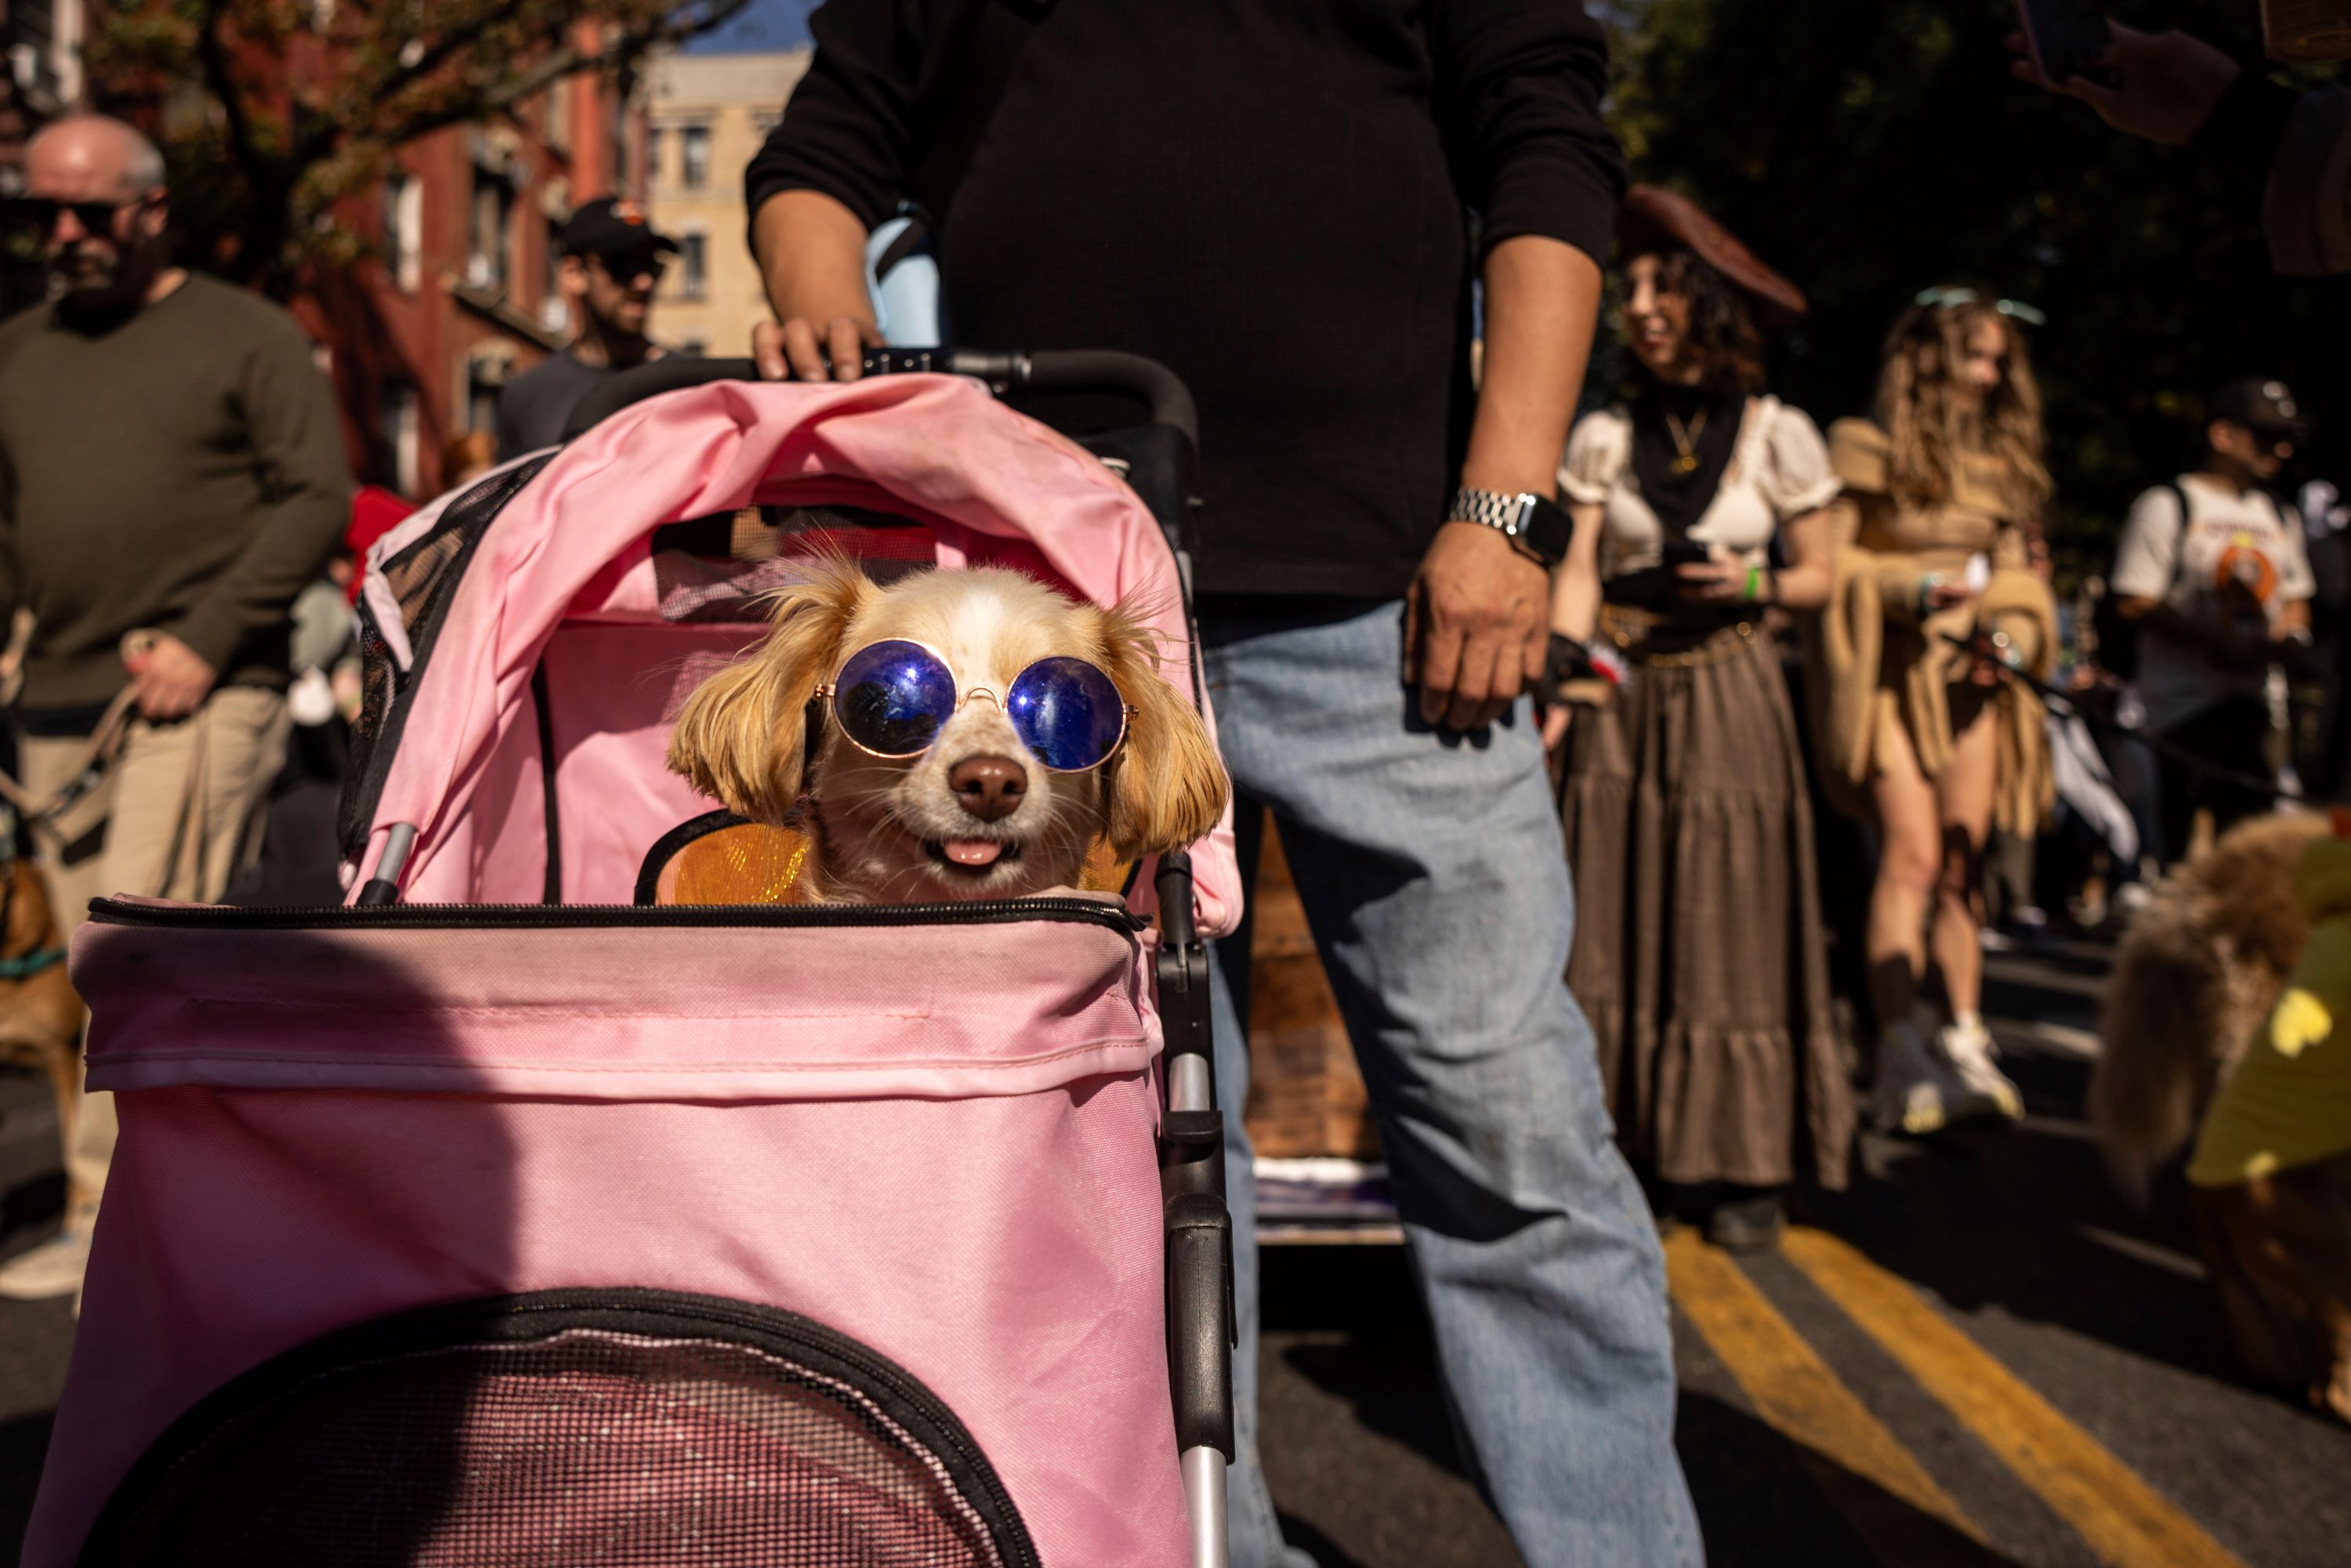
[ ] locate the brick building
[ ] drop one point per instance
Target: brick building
(460, 296)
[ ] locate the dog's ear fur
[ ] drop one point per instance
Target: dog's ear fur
(742, 736)
(1167, 786)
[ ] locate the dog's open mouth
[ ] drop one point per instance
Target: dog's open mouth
(974, 857)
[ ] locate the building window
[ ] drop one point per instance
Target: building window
(396, 450)
(693, 157)
(693, 278)
(404, 231)
(488, 264)
(655, 175)
(481, 398)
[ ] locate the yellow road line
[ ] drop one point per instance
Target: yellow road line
(2125, 1522)
(1795, 1392)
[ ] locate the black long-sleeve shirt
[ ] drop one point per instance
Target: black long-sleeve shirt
(1270, 196)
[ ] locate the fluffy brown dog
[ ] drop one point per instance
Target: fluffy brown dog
(2198, 972)
(974, 814)
(40, 1015)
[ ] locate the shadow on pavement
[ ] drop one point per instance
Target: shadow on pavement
(2026, 1219)
(1370, 1344)
(23, 1442)
(1764, 1501)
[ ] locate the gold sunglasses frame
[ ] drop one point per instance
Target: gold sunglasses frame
(829, 694)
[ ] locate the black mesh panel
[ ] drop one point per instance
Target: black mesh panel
(423, 579)
(627, 1430)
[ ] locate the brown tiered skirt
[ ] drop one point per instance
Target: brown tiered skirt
(1699, 948)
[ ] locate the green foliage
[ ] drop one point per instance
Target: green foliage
(1870, 149)
(273, 111)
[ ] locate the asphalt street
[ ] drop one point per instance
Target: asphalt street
(1978, 1356)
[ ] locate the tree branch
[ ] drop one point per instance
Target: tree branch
(213, 51)
(563, 62)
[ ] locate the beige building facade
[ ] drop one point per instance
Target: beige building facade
(705, 116)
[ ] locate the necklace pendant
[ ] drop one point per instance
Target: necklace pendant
(1685, 464)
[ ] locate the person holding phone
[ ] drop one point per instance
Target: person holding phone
(1698, 957)
(1915, 724)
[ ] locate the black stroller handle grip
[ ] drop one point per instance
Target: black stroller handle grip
(1147, 381)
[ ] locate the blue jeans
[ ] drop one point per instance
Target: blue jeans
(1432, 872)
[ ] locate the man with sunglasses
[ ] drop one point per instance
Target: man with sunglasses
(2213, 573)
(613, 262)
(171, 477)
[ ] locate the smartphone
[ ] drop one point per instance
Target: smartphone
(1684, 551)
(2068, 38)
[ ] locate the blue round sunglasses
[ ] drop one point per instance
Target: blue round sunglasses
(892, 698)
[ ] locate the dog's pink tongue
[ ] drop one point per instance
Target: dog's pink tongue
(972, 852)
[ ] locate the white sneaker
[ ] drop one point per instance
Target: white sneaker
(1913, 1092)
(1985, 1089)
(53, 1268)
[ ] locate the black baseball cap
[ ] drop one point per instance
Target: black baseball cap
(2262, 405)
(611, 226)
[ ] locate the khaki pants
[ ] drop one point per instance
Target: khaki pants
(177, 816)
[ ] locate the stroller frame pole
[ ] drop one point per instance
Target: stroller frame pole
(1200, 1319)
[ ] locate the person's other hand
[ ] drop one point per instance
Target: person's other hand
(1711, 581)
(796, 349)
(1556, 719)
(170, 678)
(1945, 592)
(1474, 631)
(2169, 83)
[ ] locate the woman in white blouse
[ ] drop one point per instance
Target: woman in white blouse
(1699, 948)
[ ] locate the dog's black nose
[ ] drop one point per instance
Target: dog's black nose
(988, 786)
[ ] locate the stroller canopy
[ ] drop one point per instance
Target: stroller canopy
(567, 555)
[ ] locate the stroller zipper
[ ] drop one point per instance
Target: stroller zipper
(557, 917)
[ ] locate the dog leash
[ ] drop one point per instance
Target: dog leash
(2065, 706)
(105, 743)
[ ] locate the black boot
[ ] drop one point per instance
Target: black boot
(1747, 1218)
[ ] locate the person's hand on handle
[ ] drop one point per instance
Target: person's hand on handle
(812, 253)
(2169, 83)
(1475, 634)
(170, 678)
(796, 351)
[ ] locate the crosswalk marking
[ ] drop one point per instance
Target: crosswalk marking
(1794, 1390)
(2125, 1522)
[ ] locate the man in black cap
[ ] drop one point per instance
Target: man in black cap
(2213, 573)
(613, 260)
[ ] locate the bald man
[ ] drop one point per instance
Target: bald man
(172, 474)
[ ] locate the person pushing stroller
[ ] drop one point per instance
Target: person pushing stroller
(1348, 526)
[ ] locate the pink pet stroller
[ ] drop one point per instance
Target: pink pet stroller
(494, 1220)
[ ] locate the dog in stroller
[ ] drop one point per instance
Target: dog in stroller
(978, 733)
(505, 1215)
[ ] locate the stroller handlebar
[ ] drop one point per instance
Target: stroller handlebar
(1008, 374)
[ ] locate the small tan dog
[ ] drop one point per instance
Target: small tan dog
(958, 735)
(40, 1013)
(2195, 977)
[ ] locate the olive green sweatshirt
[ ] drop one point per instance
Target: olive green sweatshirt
(180, 468)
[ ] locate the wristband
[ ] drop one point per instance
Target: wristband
(1927, 586)
(1755, 584)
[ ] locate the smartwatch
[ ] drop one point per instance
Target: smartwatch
(1536, 523)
